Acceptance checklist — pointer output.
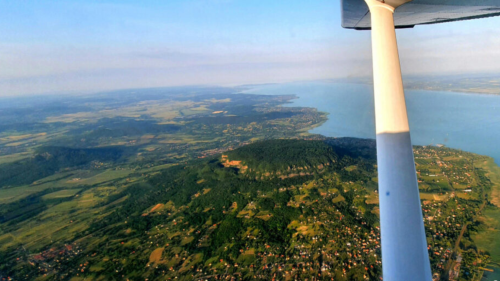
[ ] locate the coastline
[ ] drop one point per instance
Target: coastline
(489, 216)
(350, 113)
(410, 84)
(471, 92)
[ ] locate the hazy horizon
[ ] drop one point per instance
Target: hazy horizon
(89, 46)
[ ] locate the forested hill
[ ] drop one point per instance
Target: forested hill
(354, 147)
(290, 158)
(284, 154)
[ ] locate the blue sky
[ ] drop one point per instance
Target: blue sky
(79, 46)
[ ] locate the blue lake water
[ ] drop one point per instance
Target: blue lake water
(470, 122)
(491, 276)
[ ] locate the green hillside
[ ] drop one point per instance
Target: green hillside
(49, 160)
(285, 209)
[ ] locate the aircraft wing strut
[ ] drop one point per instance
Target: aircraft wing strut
(404, 245)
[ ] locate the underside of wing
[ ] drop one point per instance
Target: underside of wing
(355, 13)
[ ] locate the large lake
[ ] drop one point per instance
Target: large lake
(470, 122)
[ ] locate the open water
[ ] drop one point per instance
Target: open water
(470, 122)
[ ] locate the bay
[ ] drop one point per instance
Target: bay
(470, 122)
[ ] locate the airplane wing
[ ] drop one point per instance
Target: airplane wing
(356, 15)
(404, 246)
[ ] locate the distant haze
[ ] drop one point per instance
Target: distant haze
(66, 47)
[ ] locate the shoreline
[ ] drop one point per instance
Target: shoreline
(492, 170)
(411, 85)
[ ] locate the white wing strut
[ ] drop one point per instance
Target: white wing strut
(404, 246)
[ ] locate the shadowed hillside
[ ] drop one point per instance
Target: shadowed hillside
(49, 160)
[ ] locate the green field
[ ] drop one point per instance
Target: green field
(65, 180)
(106, 176)
(13, 157)
(488, 238)
(61, 194)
